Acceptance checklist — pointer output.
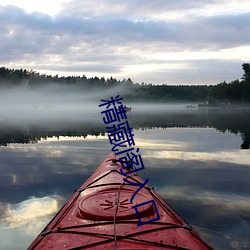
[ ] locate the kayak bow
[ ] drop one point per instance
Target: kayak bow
(100, 216)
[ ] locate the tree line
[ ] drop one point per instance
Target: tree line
(236, 91)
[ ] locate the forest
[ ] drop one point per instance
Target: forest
(224, 93)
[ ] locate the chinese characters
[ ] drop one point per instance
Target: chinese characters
(121, 138)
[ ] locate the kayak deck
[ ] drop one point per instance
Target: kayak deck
(100, 215)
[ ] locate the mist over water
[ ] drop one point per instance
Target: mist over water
(60, 107)
(60, 102)
(55, 102)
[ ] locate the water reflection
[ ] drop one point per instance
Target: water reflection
(29, 210)
(20, 222)
(194, 164)
(233, 121)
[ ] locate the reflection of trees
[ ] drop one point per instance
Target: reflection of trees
(246, 141)
(237, 122)
(16, 137)
(20, 135)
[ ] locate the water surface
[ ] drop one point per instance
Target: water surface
(194, 160)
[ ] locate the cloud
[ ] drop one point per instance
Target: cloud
(116, 30)
(125, 40)
(149, 9)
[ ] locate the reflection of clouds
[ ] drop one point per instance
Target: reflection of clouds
(224, 218)
(14, 179)
(227, 240)
(228, 203)
(202, 144)
(187, 139)
(51, 167)
(2, 209)
(25, 220)
(163, 145)
(29, 212)
(58, 157)
(236, 157)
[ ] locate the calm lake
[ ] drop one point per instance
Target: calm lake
(198, 160)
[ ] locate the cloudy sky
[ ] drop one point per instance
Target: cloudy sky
(157, 41)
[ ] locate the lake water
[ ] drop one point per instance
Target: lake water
(197, 160)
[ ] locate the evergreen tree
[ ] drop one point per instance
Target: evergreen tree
(246, 69)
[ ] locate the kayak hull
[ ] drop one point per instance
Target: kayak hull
(101, 214)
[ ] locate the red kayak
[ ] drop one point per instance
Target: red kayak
(100, 215)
